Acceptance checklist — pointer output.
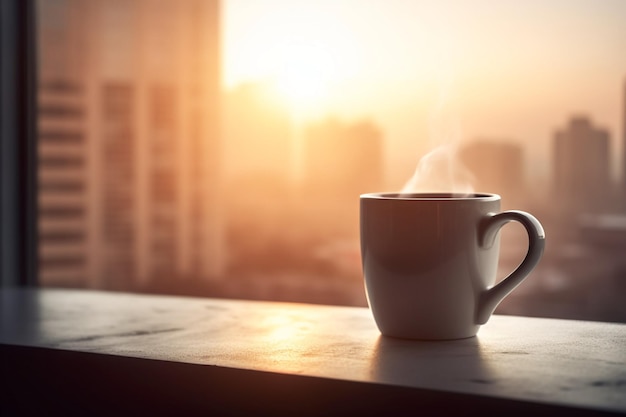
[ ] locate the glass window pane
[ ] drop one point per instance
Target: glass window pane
(218, 148)
(128, 143)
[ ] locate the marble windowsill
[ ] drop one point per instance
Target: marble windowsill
(154, 352)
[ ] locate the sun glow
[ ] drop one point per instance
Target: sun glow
(305, 74)
(304, 50)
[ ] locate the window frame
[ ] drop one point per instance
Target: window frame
(18, 151)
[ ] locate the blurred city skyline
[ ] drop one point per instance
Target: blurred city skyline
(260, 140)
(163, 168)
(515, 71)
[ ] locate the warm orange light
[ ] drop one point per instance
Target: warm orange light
(305, 74)
(282, 328)
(307, 51)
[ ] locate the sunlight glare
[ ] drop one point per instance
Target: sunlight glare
(305, 74)
(283, 328)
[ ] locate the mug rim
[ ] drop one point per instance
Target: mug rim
(431, 196)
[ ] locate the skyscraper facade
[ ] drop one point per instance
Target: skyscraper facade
(624, 139)
(62, 182)
(497, 166)
(260, 134)
(581, 165)
(343, 160)
(129, 98)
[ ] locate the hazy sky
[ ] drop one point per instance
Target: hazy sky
(506, 70)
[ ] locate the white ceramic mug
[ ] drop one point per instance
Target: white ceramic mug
(430, 261)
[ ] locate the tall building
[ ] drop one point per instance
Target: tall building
(129, 150)
(62, 183)
(624, 138)
(343, 160)
(260, 132)
(258, 177)
(581, 165)
(497, 167)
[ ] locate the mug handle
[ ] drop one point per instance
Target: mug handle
(488, 229)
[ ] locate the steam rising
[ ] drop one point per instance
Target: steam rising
(441, 170)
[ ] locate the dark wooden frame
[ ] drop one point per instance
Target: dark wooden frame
(18, 153)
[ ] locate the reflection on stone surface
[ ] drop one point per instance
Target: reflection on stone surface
(512, 357)
(442, 364)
